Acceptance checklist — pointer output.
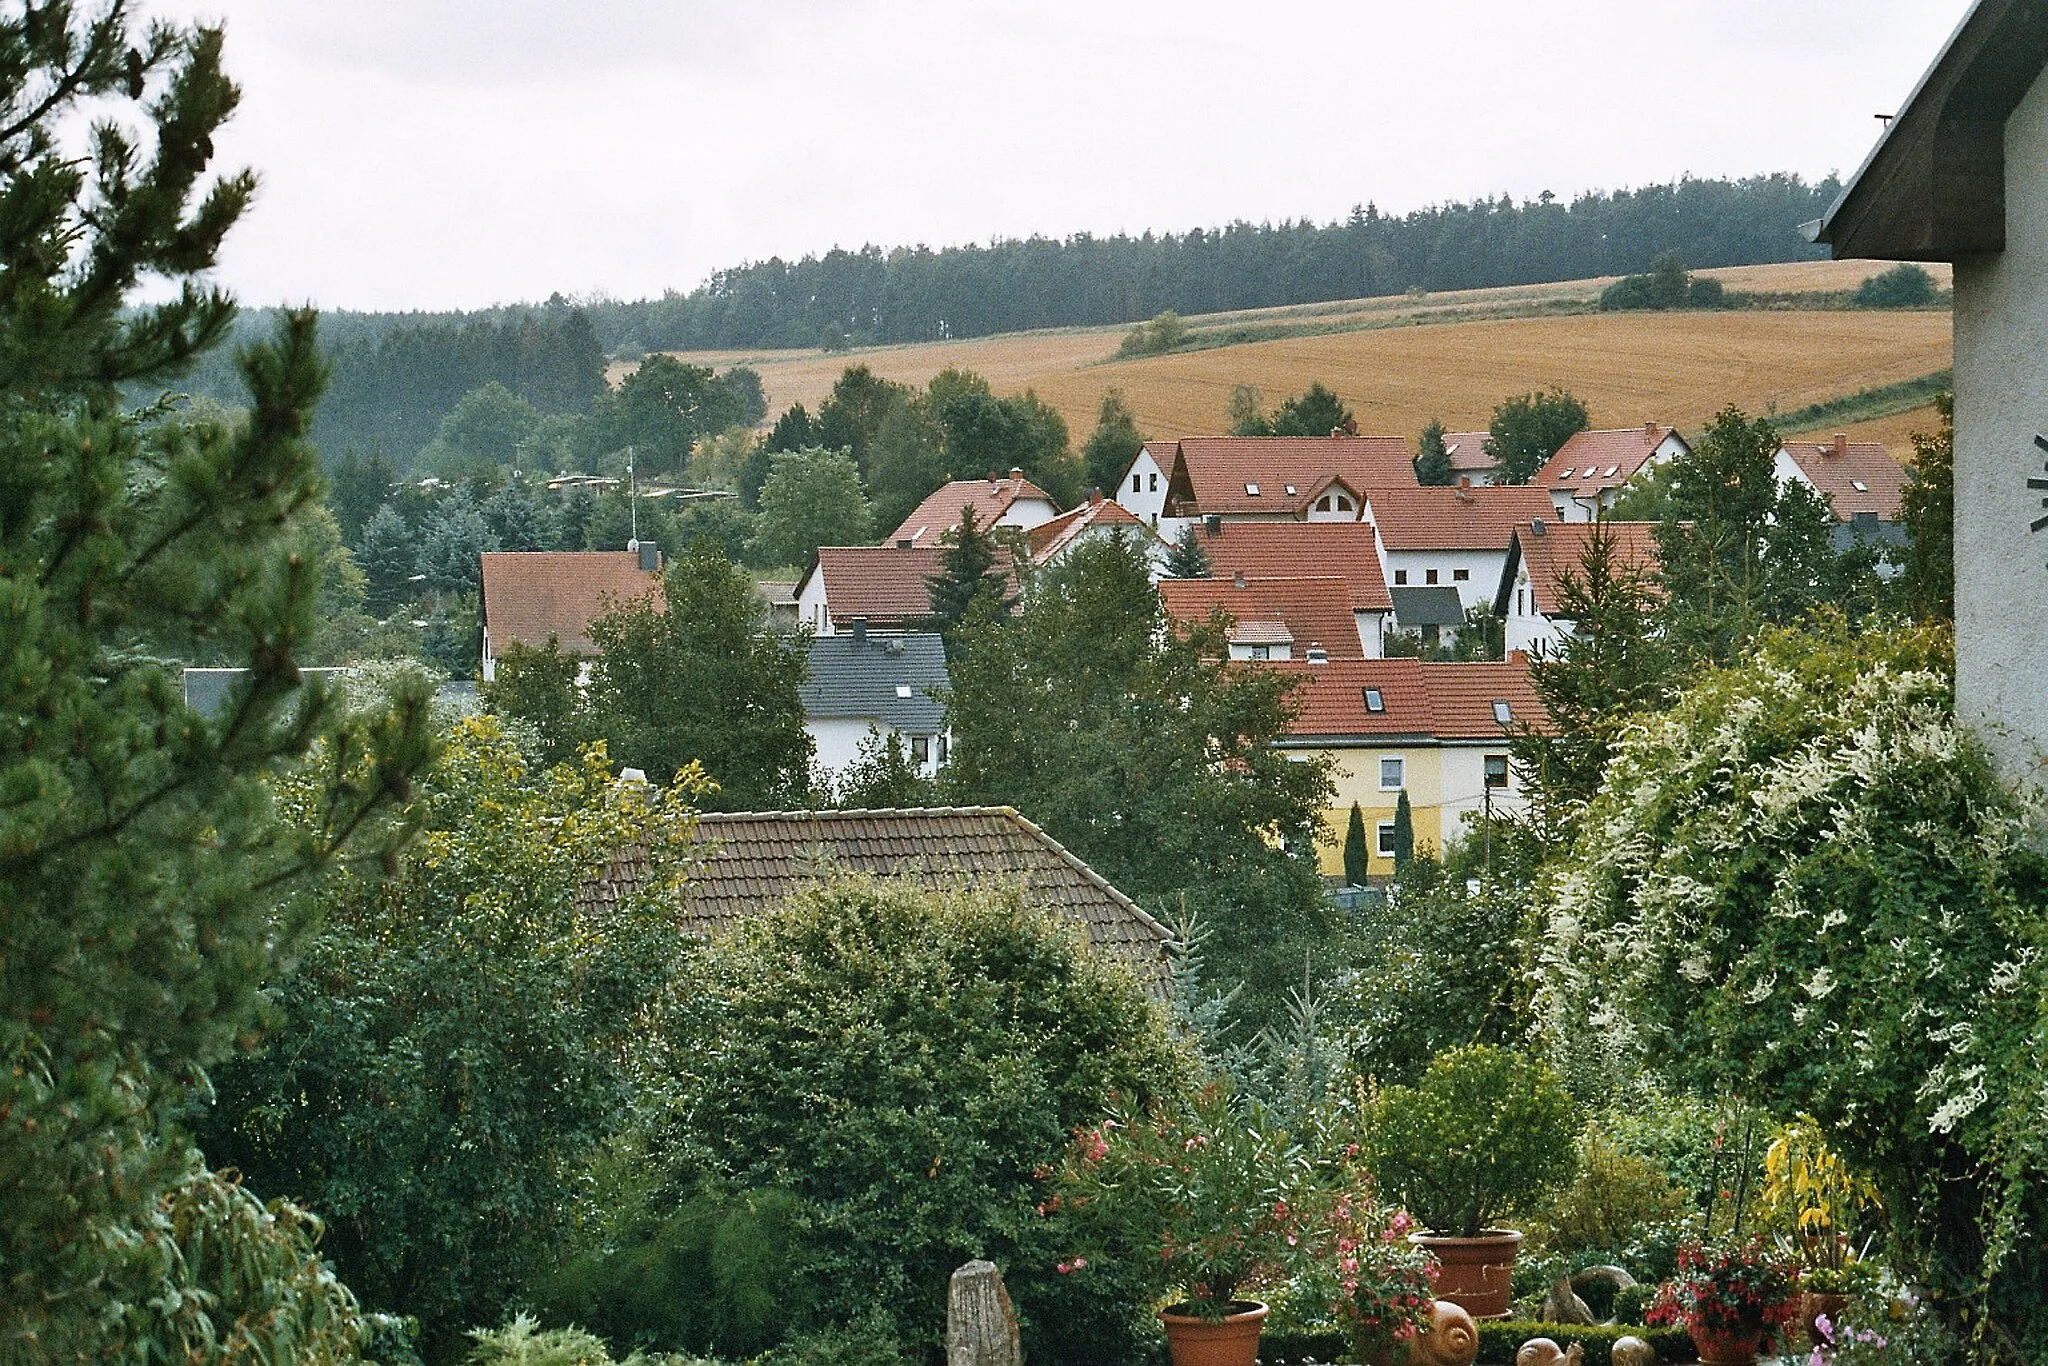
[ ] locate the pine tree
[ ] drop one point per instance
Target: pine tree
(1404, 832)
(1433, 463)
(1187, 559)
(145, 864)
(971, 573)
(1354, 847)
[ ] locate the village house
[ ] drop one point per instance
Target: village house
(1860, 480)
(532, 596)
(1455, 538)
(1470, 462)
(1275, 550)
(885, 587)
(1261, 478)
(1540, 555)
(1437, 731)
(1961, 175)
(997, 501)
(754, 861)
(1587, 474)
(863, 684)
(1301, 617)
(1098, 517)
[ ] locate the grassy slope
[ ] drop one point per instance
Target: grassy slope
(1400, 361)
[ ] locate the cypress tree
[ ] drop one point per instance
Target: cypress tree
(1404, 832)
(1354, 848)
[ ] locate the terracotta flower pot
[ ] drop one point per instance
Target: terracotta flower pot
(1814, 1303)
(1475, 1273)
(1234, 1341)
(1727, 1346)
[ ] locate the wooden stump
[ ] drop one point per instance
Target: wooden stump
(981, 1326)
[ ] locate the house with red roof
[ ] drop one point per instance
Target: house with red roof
(1306, 617)
(1586, 475)
(531, 596)
(863, 588)
(1261, 478)
(997, 501)
(1436, 539)
(1053, 540)
(1278, 550)
(1471, 462)
(1542, 555)
(1860, 480)
(1437, 731)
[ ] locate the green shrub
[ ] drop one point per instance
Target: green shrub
(1164, 333)
(1484, 1131)
(523, 1342)
(910, 1064)
(1500, 1339)
(1903, 286)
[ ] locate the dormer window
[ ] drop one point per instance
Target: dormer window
(1251, 490)
(1502, 713)
(1374, 702)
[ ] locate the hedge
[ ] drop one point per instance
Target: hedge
(1499, 1340)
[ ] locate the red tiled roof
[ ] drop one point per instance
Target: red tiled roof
(1468, 452)
(1481, 517)
(1562, 547)
(529, 595)
(1836, 467)
(940, 512)
(1049, 538)
(1315, 610)
(1272, 550)
(1595, 461)
(1216, 472)
(883, 584)
(1440, 701)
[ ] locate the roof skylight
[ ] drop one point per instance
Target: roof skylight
(1859, 486)
(1564, 474)
(1373, 701)
(903, 690)
(1251, 490)
(1502, 712)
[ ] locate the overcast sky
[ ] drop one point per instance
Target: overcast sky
(454, 153)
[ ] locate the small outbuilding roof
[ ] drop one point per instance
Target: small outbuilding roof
(529, 595)
(1415, 607)
(895, 681)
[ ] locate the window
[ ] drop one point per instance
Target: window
(1373, 701)
(903, 690)
(1290, 490)
(1262, 652)
(1502, 712)
(1519, 609)
(1461, 575)
(1393, 774)
(1343, 503)
(1564, 474)
(1318, 655)
(1134, 484)
(921, 749)
(1251, 490)
(1496, 770)
(1151, 483)
(1400, 576)
(1323, 503)
(1386, 839)
(1612, 470)
(1429, 576)
(939, 747)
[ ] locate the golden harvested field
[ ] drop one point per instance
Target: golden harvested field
(1410, 363)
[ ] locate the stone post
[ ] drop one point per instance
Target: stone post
(981, 1327)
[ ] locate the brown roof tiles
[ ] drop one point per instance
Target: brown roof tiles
(1050, 538)
(1272, 550)
(940, 512)
(1481, 517)
(1468, 452)
(1315, 610)
(1592, 462)
(1854, 476)
(1442, 701)
(1217, 474)
(529, 595)
(883, 584)
(1562, 548)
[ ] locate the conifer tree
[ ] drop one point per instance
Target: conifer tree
(144, 862)
(1433, 462)
(1187, 559)
(1114, 443)
(389, 554)
(1354, 847)
(1404, 832)
(1928, 508)
(971, 573)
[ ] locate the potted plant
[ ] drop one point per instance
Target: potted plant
(1483, 1132)
(1212, 1194)
(1728, 1298)
(1811, 1200)
(1385, 1284)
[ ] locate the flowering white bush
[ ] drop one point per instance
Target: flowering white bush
(1804, 882)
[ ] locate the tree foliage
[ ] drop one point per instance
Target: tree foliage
(1114, 443)
(142, 849)
(812, 498)
(1432, 460)
(1530, 428)
(1355, 847)
(1186, 559)
(973, 573)
(1927, 506)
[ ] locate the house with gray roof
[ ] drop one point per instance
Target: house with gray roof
(891, 684)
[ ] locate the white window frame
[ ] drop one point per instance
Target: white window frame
(1399, 769)
(1386, 839)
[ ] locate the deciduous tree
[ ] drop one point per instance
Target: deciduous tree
(1114, 443)
(812, 498)
(1530, 428)
(1928, 508)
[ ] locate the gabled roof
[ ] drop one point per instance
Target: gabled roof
(1855, 476)
(529, 595)
(1481, 517)
(1271, 550)
(1468, 452)
(940, 512)
(893, 680)
(1424, 701)
(1315, 609)
(1562, 548)
(754, 860)
(1048, 539)
(881, 584)
(1593, 462)
(1933, 188)
(1431, 606)
(1216, 474)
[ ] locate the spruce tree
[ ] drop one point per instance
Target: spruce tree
(1187, 559)
(389, 555)
(970, 574)
(145, 865)
(1404, 832)
(1433, 463)
(1354, 848)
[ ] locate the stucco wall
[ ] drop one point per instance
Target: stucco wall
(2001, 378)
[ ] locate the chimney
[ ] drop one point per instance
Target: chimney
(1650, 431)
(1520, 657)
(650, 557)
(1535, 526)
(1237, 579)
(994, 478)
(859, 628)
(1017, 472)
(1094, 496)
(1841, 445)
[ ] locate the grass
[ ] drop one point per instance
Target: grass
(1866, 405)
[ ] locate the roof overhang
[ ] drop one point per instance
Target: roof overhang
(1933, 188)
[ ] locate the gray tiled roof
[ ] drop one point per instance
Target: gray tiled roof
(1415, 607)
(206, 690)
(863, 679)
(754, 860)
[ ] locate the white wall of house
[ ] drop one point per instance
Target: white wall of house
(812, 610)
(836, 741)
(1336, 504)
(1474, 573)
(1581, 508)
(1372, 631)
(1463, 792)
(1526, 628)
(1028, 513)
(1143, 490)
(1280, 651)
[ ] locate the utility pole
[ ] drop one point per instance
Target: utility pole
(632, 501)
